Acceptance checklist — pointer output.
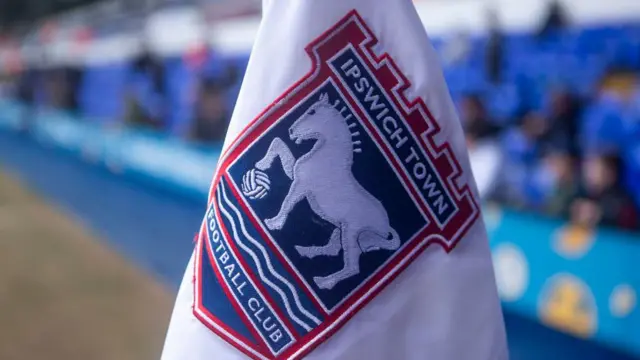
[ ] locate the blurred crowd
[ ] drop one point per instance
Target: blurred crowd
(545, 167)
(208, 96)
(572, 149)
(189, 97)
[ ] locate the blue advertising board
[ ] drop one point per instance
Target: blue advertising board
(168, 162)
(580, 281)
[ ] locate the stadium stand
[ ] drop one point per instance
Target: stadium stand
(569, 91)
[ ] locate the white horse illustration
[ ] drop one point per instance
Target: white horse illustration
(324, 177)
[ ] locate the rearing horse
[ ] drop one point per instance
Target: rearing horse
(324, 177)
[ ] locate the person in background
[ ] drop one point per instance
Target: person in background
(26, 94)
(150, 65)
(53, 86)
(63, 84)
(475, 119)
(602, 199)
(560, 173)
(6, 88)
(555, 20)
(147, 93)
(75, 77)
(495, 49)
(481, 135)
(564, 116)
(521, 146)
(523, 142)
(211, 113)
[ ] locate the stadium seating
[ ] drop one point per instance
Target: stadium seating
(575, 59)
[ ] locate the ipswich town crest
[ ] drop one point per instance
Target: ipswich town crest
(323, 200)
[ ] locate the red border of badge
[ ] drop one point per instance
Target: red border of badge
(421, 121)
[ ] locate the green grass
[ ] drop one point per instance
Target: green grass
(64, 295)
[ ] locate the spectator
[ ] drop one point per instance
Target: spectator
(495, 49)
(75, 77)
(555, 20)
(146, 98)
(602, 199)
(62, 86)
(475, 119)
(152, 67)
(212, 115)
(26, 94)
(143, 110)
(564, 116)
(534, 127)
(522, 143)
(563, 183)
(521, 147)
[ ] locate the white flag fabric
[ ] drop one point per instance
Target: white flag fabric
(343, 219)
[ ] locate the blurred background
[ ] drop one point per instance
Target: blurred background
(112, 115)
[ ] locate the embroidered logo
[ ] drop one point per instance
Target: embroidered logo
(322, 200)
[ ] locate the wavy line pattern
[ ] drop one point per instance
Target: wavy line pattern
(267, 260)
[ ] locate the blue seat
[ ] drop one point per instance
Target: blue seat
(504, 101)
(102, 91)
(608, 124)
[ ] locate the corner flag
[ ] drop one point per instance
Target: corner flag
(343, 219)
